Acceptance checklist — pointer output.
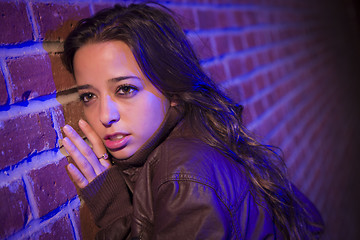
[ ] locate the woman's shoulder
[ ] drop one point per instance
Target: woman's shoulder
(189, 154)
(189, 159)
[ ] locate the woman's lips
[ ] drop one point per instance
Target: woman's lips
(116, 141)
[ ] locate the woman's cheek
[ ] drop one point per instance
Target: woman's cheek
(90, 117)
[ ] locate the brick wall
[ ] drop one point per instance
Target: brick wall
(293, 64)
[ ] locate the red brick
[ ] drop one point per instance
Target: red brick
(250, 18)
(185, 17)
(278, 137)
(22, 136)
(249, 63)
(247, 88)
(14, 23)
(271, 98)
(226, 18)
(262, 37)
(14, 211)
(222, 44)
(234, 93)
(239, 18)
(236, 67)
(31, 77)
(56, 20)
(247, 115)
(259, 107)
(100, 6)
(216, 72)
(238, 42)
(3, 91)
(260, 82)
(262, 16)
(52, 186)
(202, 46)
(60, 230)
(62, 78)
(73, 111)
(250, 38)
(207, 19)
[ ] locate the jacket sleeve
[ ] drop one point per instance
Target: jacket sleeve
(109, 202)
(192, 210)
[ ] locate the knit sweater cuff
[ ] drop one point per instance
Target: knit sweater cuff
(107, 197)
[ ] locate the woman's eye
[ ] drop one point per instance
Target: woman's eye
(86, 97)
(127, 90)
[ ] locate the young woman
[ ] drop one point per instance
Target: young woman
(170, 158)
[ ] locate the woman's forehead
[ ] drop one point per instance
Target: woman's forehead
(113, 59)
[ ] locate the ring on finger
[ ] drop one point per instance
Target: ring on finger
(104, 156)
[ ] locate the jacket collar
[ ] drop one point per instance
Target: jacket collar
(138, 159)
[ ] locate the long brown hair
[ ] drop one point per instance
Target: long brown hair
(167, 58)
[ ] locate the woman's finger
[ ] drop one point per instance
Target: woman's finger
(84, 149)
(77, 177)
(97, 144)
(80, 160)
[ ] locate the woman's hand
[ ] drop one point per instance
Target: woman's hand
(88, 161)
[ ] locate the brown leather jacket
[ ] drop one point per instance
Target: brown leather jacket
(177, 187)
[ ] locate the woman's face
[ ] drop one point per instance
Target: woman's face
(120, 103)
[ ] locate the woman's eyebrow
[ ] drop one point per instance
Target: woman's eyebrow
(86, 86)
(114, 80)
(118, 79)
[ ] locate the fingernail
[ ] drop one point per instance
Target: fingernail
(71, 167)
(65, 140)
(82, 122)
(67, 128)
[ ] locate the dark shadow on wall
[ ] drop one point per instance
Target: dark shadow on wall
(70, 109)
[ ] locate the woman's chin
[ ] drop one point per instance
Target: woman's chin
(122, 154)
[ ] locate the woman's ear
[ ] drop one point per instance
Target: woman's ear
(173, 104)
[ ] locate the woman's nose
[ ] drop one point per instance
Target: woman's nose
(109, 112)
